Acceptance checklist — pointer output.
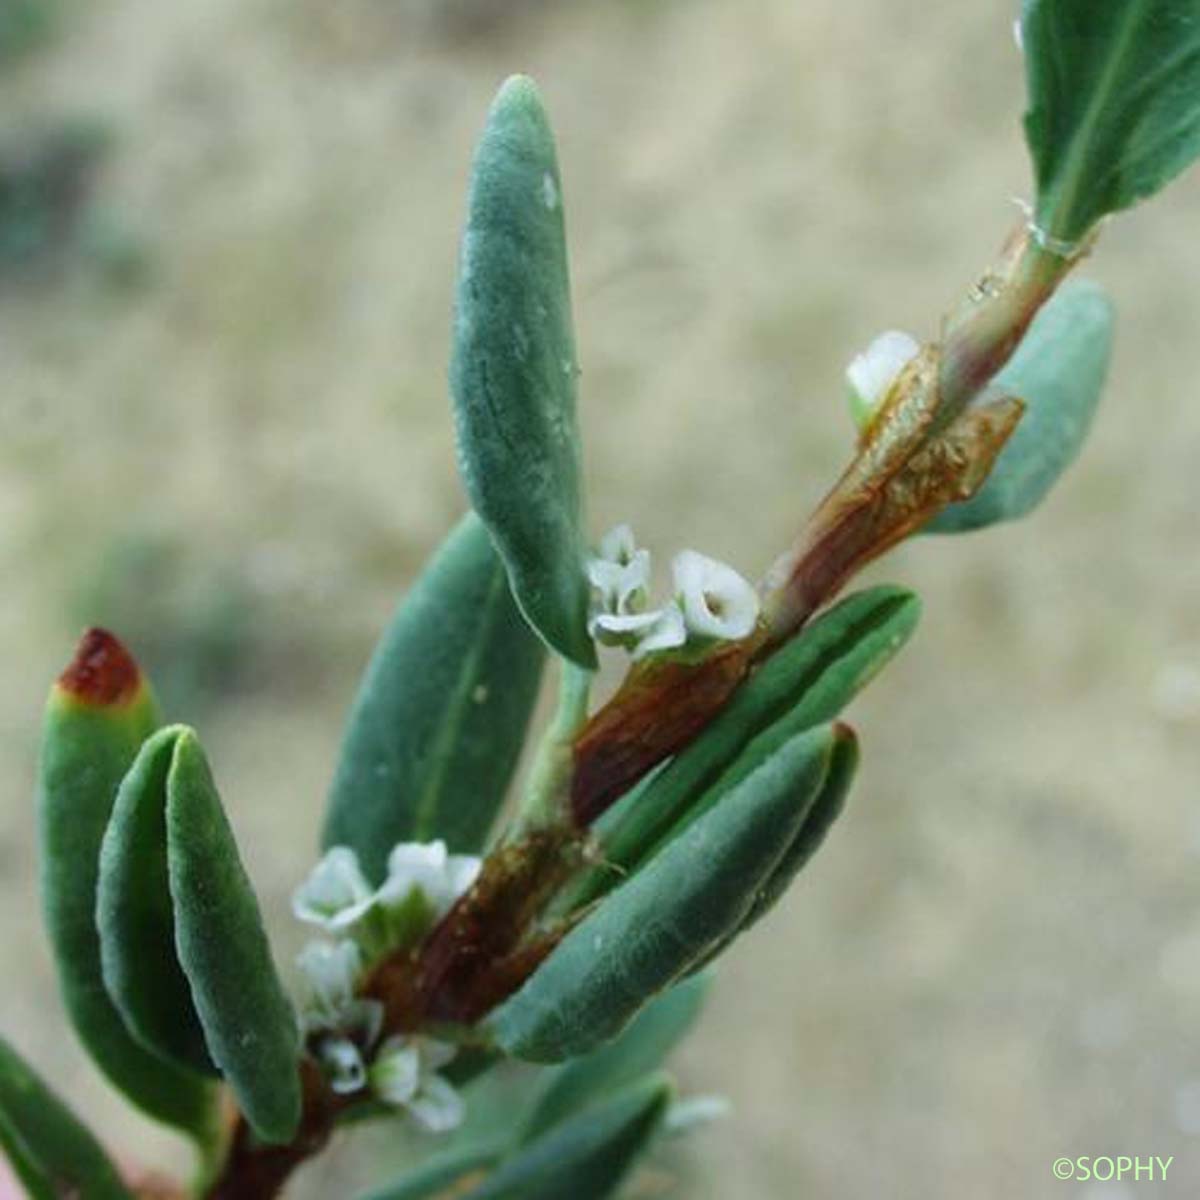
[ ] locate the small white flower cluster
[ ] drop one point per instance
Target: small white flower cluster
(422, 882)
(711, 599)
(403, 1073)
(871, 374)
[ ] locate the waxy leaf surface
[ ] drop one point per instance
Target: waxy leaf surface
(440, 717)
(513, 370)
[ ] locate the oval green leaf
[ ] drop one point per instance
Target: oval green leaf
(807, 681)
(1059, 371)
(135, 917)
(97, 716)
(513, 370)
(249, 1026)
(1114, 104)
(437, 727)
(51, 1152)
(587, 1157)
(828, 806)
(662, 921)
(639, 1050)
(826, 809)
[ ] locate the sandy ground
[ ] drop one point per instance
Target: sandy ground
(996, 959)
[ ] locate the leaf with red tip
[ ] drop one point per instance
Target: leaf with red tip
(98, 714)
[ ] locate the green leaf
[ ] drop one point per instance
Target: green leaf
(1114, 104)
(640, 1049)
(439, 720)
(135, 917)
(587, 1157)
(431, 1180)
(1059, 371)
(513, 370)
(826, 809)
(807, 681)
(51, 1153)
(249, 1026)
(658, 924)
(97, 716)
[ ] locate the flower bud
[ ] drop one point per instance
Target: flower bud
(871, 373)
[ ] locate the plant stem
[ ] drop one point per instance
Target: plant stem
(890, 488)
(545, 802)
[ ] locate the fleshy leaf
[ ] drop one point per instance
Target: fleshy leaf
(249, 1027)
(587, 1157)
(97, 716)
(825, 810)
(658, 924)
(135, 917)
(640, 1049)
(1114, 104)
(1059, 371)
(437, 726)
(513, 370)
(51, 1152)
(806, 682)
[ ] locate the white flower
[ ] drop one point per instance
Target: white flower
(618, 545)
(336, 893)
(396, 1072)
(716, 601)
(437, 1107)
(423, 881)
(667, 631)
(330, 970)
(619, 573)
(404, 1074)
(426, 867)
(620, 629)
(871, 373)
(342, 1063)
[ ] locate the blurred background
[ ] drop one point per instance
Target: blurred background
(227, 247)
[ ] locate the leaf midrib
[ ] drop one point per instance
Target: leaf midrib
(426, 807)
(1071, 173)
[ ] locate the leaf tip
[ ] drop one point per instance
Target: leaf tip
(103, 673)
(519, 90)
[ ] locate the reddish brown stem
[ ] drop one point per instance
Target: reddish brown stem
(254, 1171)
(660, 707)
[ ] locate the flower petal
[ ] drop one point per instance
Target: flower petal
(717, 602)
(330, 970)
(441, 877)
(622, 587)
(437, 1107)
(668, 631)
(396, 1072)
(618, 545)
(619, 627)
(334, 885)
(871, 373)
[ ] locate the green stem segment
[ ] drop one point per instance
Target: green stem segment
(981, 336)
(931, 443)
(547, 792)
